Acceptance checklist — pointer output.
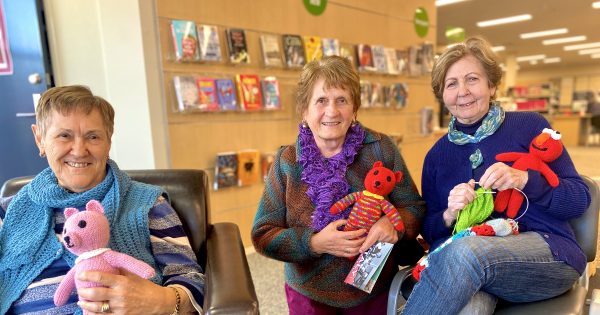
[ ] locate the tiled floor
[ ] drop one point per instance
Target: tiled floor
(268, 274)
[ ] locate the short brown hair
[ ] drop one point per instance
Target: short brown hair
(474, 46)
(337, 72)
(66, 99)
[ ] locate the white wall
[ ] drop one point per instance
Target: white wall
(112, 47)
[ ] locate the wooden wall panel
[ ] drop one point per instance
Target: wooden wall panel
(196, 138)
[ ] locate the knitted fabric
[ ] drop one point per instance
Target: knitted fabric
(446, 165)
(283, 224)
(367, 210)
(27, 240)
(326, 176)
(476, 211)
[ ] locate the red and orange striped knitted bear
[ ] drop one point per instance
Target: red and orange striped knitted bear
(370, 203)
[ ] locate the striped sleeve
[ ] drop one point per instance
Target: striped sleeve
(173, 253)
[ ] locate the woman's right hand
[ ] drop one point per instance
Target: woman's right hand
(338, 243)
(458, 198)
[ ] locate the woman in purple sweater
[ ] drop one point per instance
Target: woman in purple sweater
(471, 273)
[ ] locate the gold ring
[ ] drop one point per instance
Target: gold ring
(105, 308)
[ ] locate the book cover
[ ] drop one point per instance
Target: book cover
(226, 94)
(236, 43)
(271, 50)
(348, 51)
(186, 92)
(427, 57)
(415, 65)
(266, 161)
(426, 121)
(250, 96)
(365, 93)
(312, 48)
(207, 95)
(376, 95)
(270, 92)
(366, 269)
(331, 46)
(209, 42)
(185, 40)
(226, 170)
(391, 59)
(379, 60)
(249, 167)
(399, 95)
(402, 56)
(365, 57)
(293, 50)
(386, 93)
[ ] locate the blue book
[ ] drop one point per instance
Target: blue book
(226, 94)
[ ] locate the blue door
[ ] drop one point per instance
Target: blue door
(26, 73)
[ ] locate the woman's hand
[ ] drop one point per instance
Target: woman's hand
(458, 198)
(383, 230)
(338, 243)
(501, 177)
(127, 293)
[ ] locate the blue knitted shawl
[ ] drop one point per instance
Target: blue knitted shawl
(28, 243)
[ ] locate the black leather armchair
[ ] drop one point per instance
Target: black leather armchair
(571, 302)
(219, 248)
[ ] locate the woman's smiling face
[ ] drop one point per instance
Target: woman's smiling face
(467, 92)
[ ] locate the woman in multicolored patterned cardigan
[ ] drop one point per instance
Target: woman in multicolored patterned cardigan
(330, 159)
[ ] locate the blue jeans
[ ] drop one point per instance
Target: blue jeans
(511, 268)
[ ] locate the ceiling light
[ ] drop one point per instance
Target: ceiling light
(531, 57)
(498, 48)
(589, 51)
(582, 46)
(564, 40)
(544, 33)
(596, 5)
(552, 60)
(595, 56)
(510, 19)
(439, 3)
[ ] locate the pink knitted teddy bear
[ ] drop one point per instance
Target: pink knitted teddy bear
(86, 235)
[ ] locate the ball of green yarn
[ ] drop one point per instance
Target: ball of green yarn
(475, 212)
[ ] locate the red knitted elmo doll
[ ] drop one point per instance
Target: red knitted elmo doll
(370, 203)
(544, 148)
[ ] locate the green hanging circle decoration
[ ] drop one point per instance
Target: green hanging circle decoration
(421, 22)
(315, 7)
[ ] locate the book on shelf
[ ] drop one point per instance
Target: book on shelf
(312, 48)
(293, 50)
(386, 95)
(330, 46)
(365, 57)
(266, 161)
(379, 59)
(376, 95)
(368, 266)
(426, 121)
(415, 61)
(348, 51)
(207, 95)
(391, 59)
(399, 95)
(249, 91)
(185, 40)
(365, 93)
(226, 170)
(270, 93)
(427, 57)
(402, 56)
(209, 42)
(248, 167)
(226, 94)
(236, 43)
(186, 92)
(271, 50)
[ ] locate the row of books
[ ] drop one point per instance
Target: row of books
(196, 93)
(200, 42)
(374, 94)
(241, 168)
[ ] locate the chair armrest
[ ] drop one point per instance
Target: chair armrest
(229, 287)
(396, 299)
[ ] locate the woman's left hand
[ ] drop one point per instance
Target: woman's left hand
(500, 176)
(126, 293)
(383, 230)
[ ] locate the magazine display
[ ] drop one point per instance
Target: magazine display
(365, 58)
(294, 51)
(185, 40)
(226, 170)
(270, 92)
(249, 167)
(226, 94)
(207, 95)
(210, 45)
(249, 91)
(312, 48)
(271, 50)
(367, 267)
(186, 92)
(379, 59)
(236, 43)
(331, 46)
(391, 59)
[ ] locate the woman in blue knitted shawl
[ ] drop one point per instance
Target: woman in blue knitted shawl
(471, 273)
(73, 132)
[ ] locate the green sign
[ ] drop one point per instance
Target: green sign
(421, 21)
(315, 7)
(455, 34)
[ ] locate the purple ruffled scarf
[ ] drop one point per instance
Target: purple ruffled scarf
(326, 177)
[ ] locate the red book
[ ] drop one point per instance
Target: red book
(249, 92)
(207, 95)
